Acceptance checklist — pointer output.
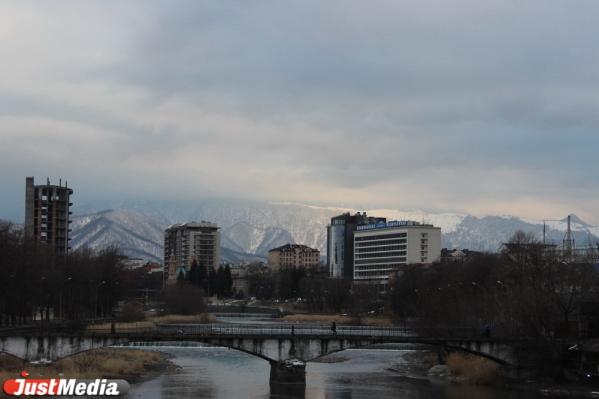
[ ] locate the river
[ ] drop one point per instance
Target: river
(226, 373)
(208, 372)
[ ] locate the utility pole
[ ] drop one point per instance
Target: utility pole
(569, 241)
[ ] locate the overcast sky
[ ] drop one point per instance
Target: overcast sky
(485, 107)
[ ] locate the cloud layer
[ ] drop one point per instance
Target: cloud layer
(482, 107)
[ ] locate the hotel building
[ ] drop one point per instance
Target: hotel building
(340, 242)
(382, 248)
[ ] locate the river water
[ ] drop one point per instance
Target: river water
(208, 372)
(226, 373)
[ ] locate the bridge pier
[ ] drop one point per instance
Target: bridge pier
(287, 373)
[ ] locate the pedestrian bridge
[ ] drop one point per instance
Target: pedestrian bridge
(275, 343)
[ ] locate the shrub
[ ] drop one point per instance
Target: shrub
(202, 318)
(132, 311)
(473, 369)
(184, 298)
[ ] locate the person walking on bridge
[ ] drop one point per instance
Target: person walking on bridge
(334, 328)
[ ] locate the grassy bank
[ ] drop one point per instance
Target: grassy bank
(377, 321)
(151, 323)
(183, 319)
(130, 364)
(473, 369)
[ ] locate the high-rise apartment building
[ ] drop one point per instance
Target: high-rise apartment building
(340, 242)
(380, 249)
(293, 256)
(47, 214)
(184, 243)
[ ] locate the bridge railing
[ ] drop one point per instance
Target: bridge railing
(217, 330)
(188, 331)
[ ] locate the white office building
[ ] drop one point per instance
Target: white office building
(382, 248)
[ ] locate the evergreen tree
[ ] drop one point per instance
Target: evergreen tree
(228, 281)
(219, 282)
(180, 277)
(211, 282)
(202, 274)
(193, 274)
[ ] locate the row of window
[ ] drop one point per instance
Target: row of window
(372, 274)
(380, 237)
(381, 255)
(386, 248)
(388, 267)
(369, 244)
(380, 260)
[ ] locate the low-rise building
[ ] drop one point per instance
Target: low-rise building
(293, 256)
(239, 274)
(457, 255)
(382, 248)
(134, 263)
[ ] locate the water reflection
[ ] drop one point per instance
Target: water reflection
(287, 391)
(226, 373)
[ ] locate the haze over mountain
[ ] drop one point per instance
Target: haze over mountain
(481, 107)
(250, 228)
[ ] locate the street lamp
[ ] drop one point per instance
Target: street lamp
(43, 297)
(97, 295)
(60, 307)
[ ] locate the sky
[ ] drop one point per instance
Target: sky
(478, 107)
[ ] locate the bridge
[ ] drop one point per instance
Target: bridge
(287, 347)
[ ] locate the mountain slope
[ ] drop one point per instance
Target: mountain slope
(250, 228)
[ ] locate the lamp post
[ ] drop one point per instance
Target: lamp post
(60, 300)
(43, 297)
(97, 296)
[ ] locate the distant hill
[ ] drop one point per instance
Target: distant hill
(250, 228)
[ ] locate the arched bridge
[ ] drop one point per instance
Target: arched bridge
(274, 343)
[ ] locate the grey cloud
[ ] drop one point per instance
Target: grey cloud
(341, 95)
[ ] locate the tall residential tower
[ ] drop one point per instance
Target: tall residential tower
(189, 242)
(47, 214)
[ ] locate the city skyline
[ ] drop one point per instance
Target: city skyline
(476, 108)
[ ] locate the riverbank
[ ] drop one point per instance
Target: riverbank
(468, 370)
(151, 323)
(375, 321)
(132, 365)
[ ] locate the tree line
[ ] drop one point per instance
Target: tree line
(526, 290)
(314, 288)
(219, 282)
(40, 285)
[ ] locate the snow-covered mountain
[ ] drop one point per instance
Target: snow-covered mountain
(250, 228)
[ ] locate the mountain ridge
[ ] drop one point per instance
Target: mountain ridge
(250, 228)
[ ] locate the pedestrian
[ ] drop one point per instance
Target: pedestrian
(487, 331)
(334, 328)
(292, 330)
